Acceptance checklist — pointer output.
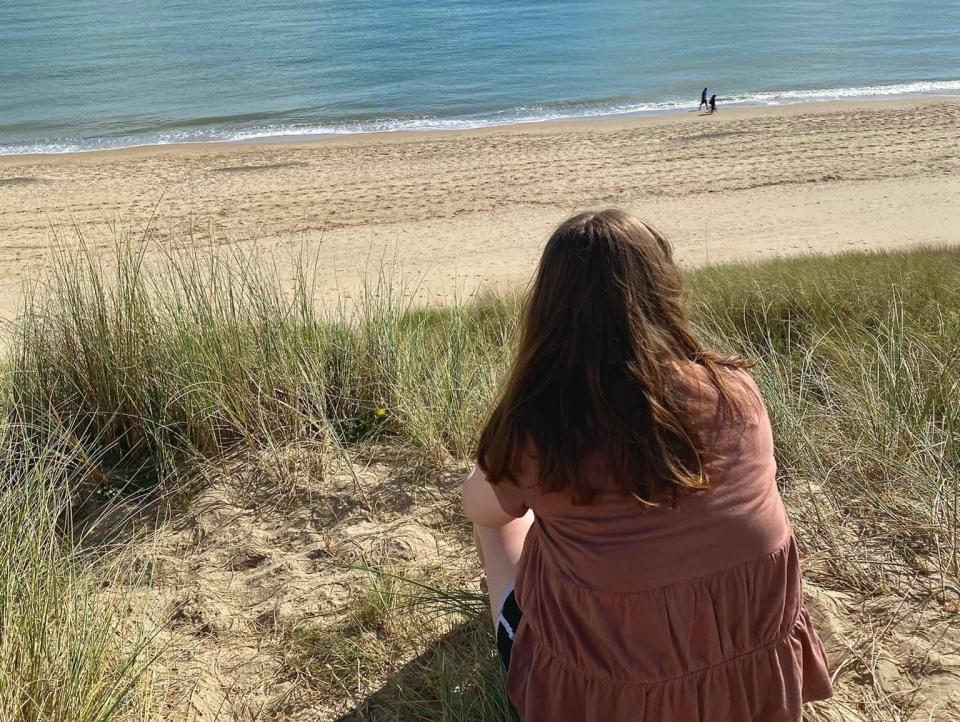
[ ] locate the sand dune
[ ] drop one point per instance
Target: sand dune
(267, 556)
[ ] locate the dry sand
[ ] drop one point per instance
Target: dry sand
(472, 208)
(269, 556)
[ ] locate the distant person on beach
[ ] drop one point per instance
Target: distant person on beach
(713, 103)
(703, 99)
(639, 560)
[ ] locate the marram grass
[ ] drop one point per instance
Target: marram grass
(63, 653)
(136, 371)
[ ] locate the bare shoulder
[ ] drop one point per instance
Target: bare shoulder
(481, 503)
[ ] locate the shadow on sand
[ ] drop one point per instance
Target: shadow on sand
(457, 679)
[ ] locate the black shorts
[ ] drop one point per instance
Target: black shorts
(507, 624)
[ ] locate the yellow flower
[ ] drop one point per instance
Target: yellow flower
(381, 412)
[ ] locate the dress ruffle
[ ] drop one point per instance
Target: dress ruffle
(731, 647)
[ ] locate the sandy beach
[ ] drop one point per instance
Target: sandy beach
(310, 472)
(466, 209)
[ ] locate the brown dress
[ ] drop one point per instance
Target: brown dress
(685, 614)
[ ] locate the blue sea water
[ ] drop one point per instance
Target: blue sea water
(88, 74)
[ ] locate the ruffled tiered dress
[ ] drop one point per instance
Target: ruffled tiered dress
(686, 614)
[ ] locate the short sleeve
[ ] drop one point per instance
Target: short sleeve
(513, 499)
(517, 498)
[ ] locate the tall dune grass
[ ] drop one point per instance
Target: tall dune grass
(64, 656)
(145, 364)
(858, 357)
(148, 364)
(202, 353)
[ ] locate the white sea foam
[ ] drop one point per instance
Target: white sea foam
(524, 114)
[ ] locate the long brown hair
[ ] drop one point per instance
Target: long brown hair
(600, 362)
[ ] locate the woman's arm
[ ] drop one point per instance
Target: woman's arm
(500, 536)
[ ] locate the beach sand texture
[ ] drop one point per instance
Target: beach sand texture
(466, 209)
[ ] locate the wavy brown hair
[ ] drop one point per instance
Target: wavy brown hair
(600, 362)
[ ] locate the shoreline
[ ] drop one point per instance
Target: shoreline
(465, 210)
(600, 121)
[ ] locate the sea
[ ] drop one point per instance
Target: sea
(82, 75)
